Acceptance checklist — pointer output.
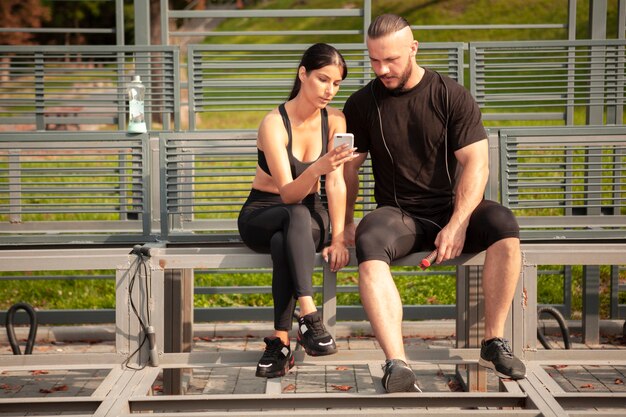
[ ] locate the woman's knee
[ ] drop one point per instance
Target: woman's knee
(298, 211)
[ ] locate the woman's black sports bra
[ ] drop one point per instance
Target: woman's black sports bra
(297, 167)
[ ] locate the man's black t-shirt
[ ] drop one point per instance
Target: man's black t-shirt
(408, 151)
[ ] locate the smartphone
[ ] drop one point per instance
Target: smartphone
(341, 138)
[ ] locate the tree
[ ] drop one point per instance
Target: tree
(21, 14)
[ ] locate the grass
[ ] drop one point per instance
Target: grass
(76, 290)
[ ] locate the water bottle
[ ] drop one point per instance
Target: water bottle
(136, 92)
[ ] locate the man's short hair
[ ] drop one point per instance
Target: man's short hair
(386, 24)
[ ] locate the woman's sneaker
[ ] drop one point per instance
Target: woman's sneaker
(313, 337)
(496, 354)
(276, 360)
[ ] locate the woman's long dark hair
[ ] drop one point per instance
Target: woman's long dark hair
(316, 57)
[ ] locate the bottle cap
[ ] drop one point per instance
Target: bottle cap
(136, 78)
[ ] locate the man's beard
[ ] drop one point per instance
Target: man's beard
(403, 79)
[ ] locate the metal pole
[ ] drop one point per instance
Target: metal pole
(597, 30)
(571, 20)
(142, 22)
(119, 22)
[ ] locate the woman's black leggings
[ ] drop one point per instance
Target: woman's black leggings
(292, 234)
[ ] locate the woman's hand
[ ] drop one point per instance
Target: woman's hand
(337, 255)
(334, 158)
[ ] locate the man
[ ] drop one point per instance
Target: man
(419, 127)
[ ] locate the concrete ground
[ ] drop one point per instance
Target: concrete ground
(309, 378)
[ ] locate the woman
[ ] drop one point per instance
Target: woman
(284, 214)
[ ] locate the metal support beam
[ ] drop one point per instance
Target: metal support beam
(591, 304)
(470, 315)
(329, 296)
(178, 336)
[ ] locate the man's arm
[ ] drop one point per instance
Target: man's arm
(351, 176)
(470, 189)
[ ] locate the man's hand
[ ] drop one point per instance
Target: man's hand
(450, 241)
(349, 232)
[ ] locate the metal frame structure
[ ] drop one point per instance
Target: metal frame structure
(575, 174)
(125, 391)
(187, 188)
(84, 87)
(548, 80)
(164, 274)
(84, 179)
(230, 79)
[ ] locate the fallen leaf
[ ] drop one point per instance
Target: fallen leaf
(454, 385)
(559, 366)
(39, 372)
(342, 368)
(91, 341)
(53, 389)
(587, 386)
(157, 388)
(619, 381)
(342, 387)
(290, 387)
(42, 348)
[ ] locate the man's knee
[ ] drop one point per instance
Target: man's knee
(507, 254)
(373, 271)
(509, 245)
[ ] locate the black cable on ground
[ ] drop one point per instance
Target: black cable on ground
(32, 333)
(141, 262)
(562, 325)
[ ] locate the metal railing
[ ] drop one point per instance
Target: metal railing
(230, 79)
(74, 187)
(548, 81)
(565, 183)
(84, 87)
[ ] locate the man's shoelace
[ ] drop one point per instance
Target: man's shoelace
(387, 365)
(505, 348)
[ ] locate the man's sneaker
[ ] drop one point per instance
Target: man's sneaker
(276, 360)
(398, 377)
(496, 354)
(313, 337)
